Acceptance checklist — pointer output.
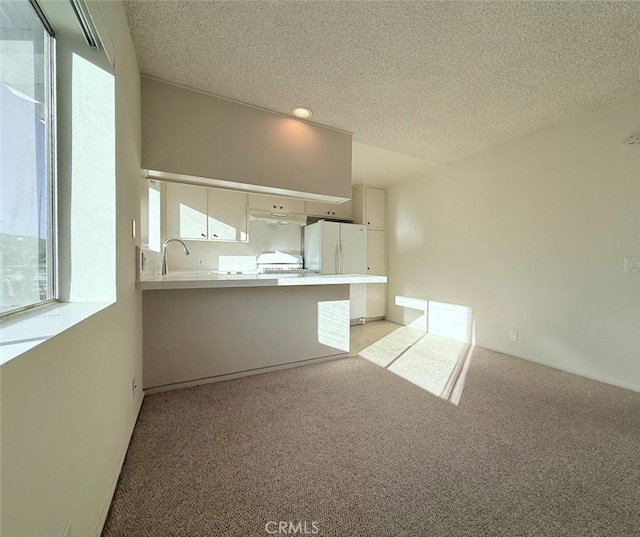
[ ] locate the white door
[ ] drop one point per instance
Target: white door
(353, 243)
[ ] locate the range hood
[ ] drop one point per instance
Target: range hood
(278, 217)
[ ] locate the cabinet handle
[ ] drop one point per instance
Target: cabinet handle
(368, 223)
(203, 234)
(216, 236)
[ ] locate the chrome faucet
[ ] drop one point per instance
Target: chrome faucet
(164, 253)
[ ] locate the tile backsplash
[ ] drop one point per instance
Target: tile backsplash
(233, 256)
(147, 263)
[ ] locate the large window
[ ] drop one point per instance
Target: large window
(27, 163)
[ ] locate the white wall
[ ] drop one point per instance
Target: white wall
(67, 405)
(532, 236)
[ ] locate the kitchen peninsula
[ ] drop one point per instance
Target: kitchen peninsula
(234, 182)
(204, 327)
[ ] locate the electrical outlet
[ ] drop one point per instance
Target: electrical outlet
(513, 336)
(632, 264)
(134, 386)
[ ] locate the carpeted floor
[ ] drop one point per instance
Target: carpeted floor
(350, 449)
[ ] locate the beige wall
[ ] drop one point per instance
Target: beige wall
(192, 334)
(67, 405)
(532, 236)
(195, 134)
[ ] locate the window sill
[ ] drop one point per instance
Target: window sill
(28, 330)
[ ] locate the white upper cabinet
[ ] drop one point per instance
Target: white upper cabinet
(369, 206)
(186, 211)
(227, 215)
(338, 211)
(374, 211)
(201, 213)
(275, 204)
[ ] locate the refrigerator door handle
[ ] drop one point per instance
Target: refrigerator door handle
(337, 261)
(341, 259)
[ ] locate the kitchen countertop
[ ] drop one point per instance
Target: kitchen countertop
(209, 280)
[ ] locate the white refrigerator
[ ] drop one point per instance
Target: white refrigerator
(337, 248)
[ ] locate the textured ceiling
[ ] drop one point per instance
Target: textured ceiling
(434, 80)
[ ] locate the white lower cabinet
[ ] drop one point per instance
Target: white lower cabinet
(376, 300)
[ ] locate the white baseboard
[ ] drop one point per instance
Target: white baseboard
(239, 374)
(553, 365)
(574, 371)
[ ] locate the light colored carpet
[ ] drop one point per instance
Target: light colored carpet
(362, 452)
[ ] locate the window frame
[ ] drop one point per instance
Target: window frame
(51, 168)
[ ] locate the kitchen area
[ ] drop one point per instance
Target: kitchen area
(240, 278)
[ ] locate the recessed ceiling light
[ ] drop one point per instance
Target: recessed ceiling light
(302, 112)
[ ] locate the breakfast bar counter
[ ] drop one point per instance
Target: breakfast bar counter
(206, 327)
(203, 280)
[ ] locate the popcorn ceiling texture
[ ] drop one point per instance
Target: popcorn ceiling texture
(434, 80)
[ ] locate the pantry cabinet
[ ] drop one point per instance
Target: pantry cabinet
(376, 265)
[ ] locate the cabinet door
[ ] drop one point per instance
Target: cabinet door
(376, 300)
(374, 208)
(276, 204)
(227, 215)
(330, 210)
(376, 253)
(186, 211)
